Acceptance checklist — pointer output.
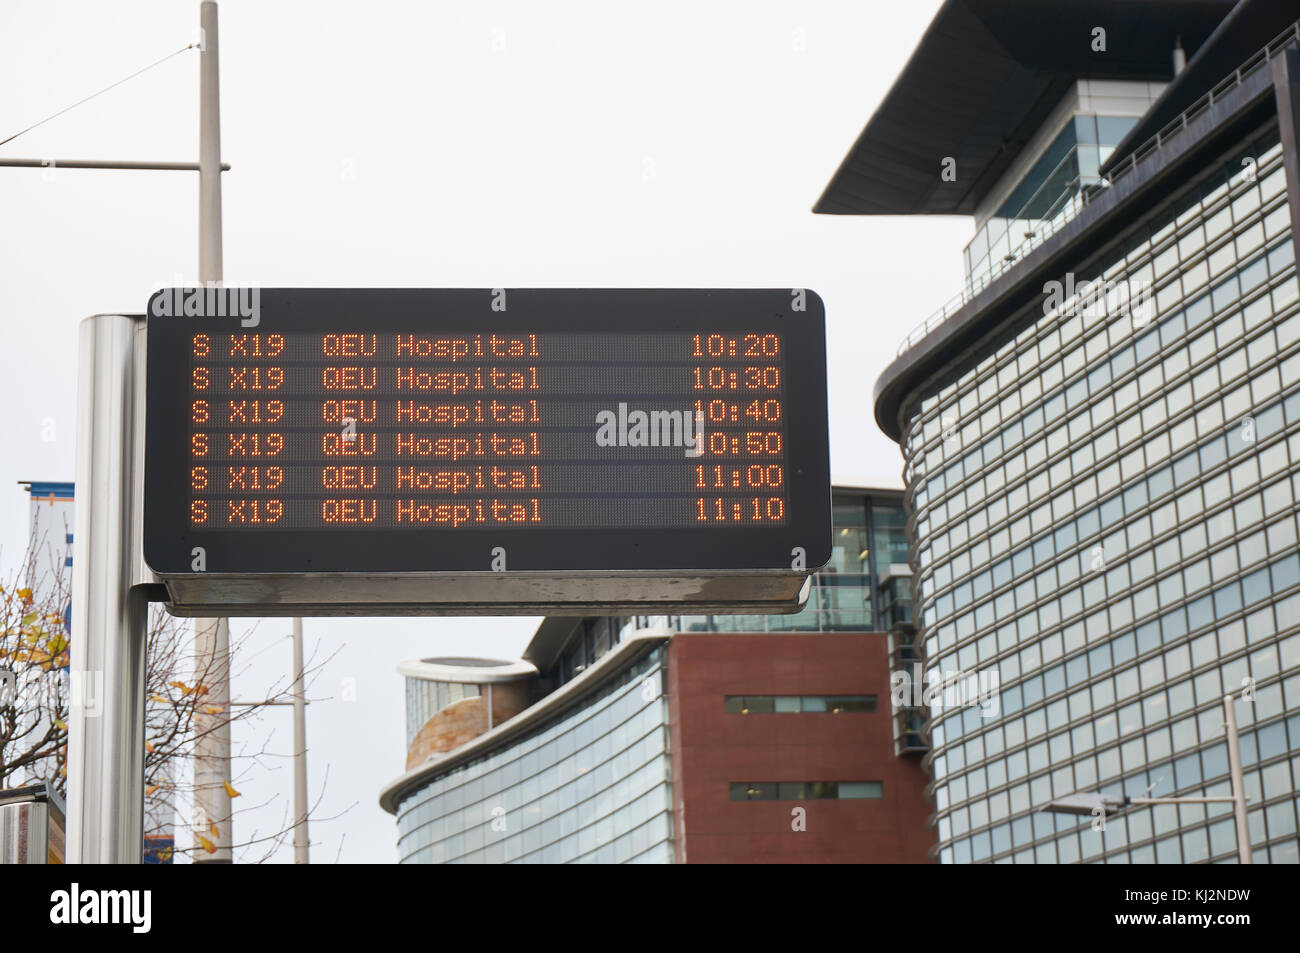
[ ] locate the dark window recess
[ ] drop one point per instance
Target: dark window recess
(785, 704)
(805, 790)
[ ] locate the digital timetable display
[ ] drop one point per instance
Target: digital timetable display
(294, 430)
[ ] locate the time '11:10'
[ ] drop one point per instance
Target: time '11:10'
(769, 509)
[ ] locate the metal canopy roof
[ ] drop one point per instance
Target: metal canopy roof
(982, 80)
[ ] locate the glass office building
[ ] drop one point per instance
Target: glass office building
(1102, 455)
(589, 785)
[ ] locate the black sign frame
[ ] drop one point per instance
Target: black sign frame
(169, 541)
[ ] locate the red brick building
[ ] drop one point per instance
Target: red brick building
(713, 748)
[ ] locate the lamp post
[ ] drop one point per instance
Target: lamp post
(1095, 804)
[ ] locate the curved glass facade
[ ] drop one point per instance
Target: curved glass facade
(1105, 522)
(589, 785)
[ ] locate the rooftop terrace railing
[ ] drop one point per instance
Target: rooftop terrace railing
(1080, 199)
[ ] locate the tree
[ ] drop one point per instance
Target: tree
(35, 697)
(34, 692)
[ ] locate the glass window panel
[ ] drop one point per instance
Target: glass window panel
(861, 789)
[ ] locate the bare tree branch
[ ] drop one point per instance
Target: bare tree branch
(35, 702)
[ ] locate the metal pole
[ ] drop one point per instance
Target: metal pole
(212, 814)
(1238, 785)
(106, 712)
(118, 164)
(209, 147)
(301, 842)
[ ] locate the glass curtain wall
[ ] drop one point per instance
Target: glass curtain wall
(1071, 163)
(591, 785)
(1113, 532)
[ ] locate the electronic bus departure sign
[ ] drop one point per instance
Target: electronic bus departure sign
(381, 451)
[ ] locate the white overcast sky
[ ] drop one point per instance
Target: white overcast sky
(457, 144)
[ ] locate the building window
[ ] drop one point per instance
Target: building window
(788, 704)
(806, 790)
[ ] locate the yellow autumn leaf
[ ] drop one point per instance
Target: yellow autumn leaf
(210, 847)
(148, 746)
(180, 686)
(60, 724)
(213, 709)
(165, 854)
(155, 697)
(230, 791)
(148, 791)
(25, 595)
(212, 827)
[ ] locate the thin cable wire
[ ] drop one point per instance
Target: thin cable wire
(100, 93)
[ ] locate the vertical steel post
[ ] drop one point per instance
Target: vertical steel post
(106, 712)
(210, 265)
(1238, 786)
(212, 813)
(301, 842)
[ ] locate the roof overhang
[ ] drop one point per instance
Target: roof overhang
(466, 671)
(984, 78)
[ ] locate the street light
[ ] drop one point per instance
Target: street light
(1095, 804)
(1087, 804)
